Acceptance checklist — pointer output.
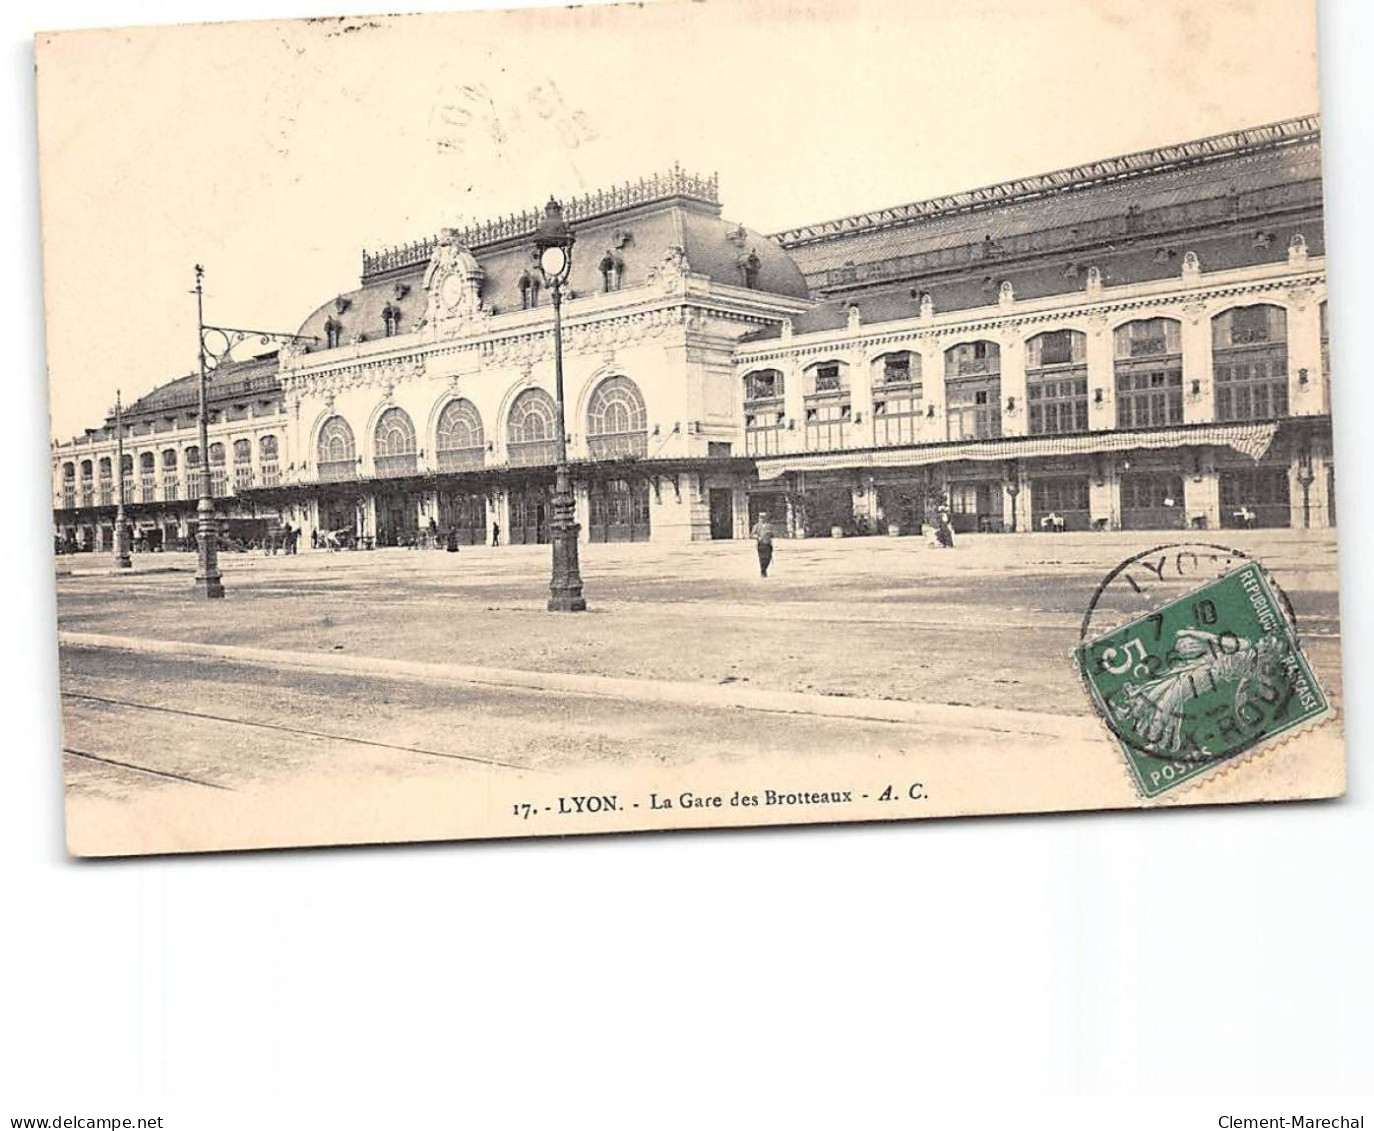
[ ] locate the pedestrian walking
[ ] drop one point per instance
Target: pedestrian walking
(944, 531)
(763, 535)
(496, 534)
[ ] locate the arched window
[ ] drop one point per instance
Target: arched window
(87, 486)
(147, 463)
(897, 397)
(69, 470)
(1250, 362)
(335, 452)
(531, 428)
(169, 459)
(459, 439)
(826, 405)
(1057, 382)
(69, 484)
(216, 453)
(1149, 373)
(529, 290)
(126, 466)
(394, 443)
(105, 467)
(192, 456)
(333, 332)
(973, 390)
(764, 412)
(391, 319)
(243, 451)
(612, 269)
(617, 425)
(267, 449)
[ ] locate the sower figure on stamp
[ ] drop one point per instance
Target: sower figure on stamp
(763, 535)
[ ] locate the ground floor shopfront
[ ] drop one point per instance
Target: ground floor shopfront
(615, 501)
(1278, 475)
(155, 527)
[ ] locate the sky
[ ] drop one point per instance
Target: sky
(274, 153)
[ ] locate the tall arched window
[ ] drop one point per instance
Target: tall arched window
(617, 425)
(147, 477)
(171, 481)
(764, 412)
(87, 485)
(126, 465)
(973, 390)
(531, 428)
(243, 464)
(106, 483)
(459, 439)
(335, 453)
(394, 443)
(1057, 382)
(69, 485)
(105, 467)
(267, 449)
(826, 404)
(1149, 373)
(1250, 362)
(219, 479)
(897, 397)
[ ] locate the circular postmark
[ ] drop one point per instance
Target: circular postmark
(1189, 653)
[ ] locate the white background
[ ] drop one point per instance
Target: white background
(780, 977)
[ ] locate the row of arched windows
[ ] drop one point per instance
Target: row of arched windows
(1249, 366)
(148, 462)
(617, 426)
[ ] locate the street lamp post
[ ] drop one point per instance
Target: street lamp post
(207, 558)
(553, 240)
(122, 559)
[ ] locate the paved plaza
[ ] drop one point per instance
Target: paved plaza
(326, 671)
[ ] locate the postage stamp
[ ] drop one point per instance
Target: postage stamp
(1202, 679)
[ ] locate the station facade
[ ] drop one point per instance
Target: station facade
(1136, 343)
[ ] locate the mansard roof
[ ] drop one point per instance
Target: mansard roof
(634, 226)
(254, 378)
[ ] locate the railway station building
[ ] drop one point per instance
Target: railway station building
(1137, 343)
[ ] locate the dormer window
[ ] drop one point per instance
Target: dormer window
(529, 290)
(612, 269)
(391, 319)
(333, 332)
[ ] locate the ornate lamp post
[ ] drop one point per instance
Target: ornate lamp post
(554, 240)
(215, 344)
(122, 559)
(207, 555)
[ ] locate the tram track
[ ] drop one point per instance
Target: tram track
(132, 767)
(303, 732)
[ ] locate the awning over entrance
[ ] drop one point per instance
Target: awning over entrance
(1252, 440)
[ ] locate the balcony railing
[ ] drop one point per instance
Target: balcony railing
(531, 453)
(337, 470)
(624, 445)
(462, 459)
(391, 466)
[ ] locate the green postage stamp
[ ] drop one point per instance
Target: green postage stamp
(1201, 680)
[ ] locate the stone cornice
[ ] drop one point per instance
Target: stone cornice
(1013, 321)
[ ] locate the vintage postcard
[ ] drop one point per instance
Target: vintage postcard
(662, 416)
